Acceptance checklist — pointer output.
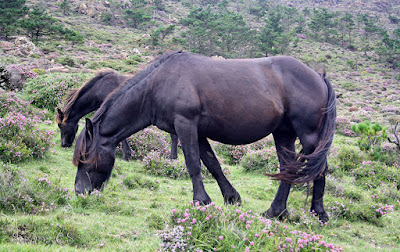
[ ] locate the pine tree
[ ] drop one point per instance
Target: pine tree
(39, 23)
(10, 12)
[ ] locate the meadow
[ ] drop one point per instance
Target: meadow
(147, 203)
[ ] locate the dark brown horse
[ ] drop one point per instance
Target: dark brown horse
(236, 101)
(88, 98)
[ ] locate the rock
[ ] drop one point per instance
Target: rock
(26, 47)
(136, 51)
(58, 69)
(82, 9)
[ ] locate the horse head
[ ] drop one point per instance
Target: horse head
(94, 160)
(68, 129)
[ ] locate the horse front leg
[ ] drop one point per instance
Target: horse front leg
(187, 132)
(127, 154)
(231, 196)
(174, 146)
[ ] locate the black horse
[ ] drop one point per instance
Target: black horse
(236, 101)
(88, 98)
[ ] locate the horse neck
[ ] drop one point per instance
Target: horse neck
(127, 114)
(86, 103)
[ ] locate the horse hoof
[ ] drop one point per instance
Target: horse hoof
(270, 214)
(322, 216)
(206, 201)
(233, 200)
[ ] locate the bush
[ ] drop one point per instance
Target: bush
(234, 153)
(212, 228)
(10, 102)
(21, 138)
(156, 164)
(147, 140)
(231, 153)
(371, 137)
(343, 127)
(48, 91)
(263, 161)
(134, 60)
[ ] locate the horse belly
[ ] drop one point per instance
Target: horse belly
(240, 123)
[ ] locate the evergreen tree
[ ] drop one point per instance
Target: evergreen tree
(232, 30)
(273, 37)
(346, 25)
(65, 6)
(10, 12)
(39, 23)
(137, 14)
(323, 25)
(201, 34)
(158, 35)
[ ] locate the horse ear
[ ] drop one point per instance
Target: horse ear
(60, 113)
(89, 128)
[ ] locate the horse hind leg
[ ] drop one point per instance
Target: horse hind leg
(285, 149)
(174, 146)
(309, 143)
(231, 196)
(317, 204)
(127, 154)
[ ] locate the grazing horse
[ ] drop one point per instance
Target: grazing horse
(233, 101)
(88, 98)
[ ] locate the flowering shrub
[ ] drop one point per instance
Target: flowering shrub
(264, 160)
(19, 133)
(343, 126)
(20, 194)
(232, 153)
(212, 228)
(48, 91)
(9, 101)
(21, 139)
(156, 164)
(147, 140)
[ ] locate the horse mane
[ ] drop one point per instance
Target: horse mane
(75, 93)
(91, 155)
(130, 83)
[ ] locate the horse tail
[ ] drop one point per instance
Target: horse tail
(307, 167)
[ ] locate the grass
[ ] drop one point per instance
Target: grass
(131, 219)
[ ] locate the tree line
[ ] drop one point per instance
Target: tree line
(253, 28)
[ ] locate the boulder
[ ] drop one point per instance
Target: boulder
(26, 47)
(82, 9)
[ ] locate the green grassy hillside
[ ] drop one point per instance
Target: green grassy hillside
(145, 201)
